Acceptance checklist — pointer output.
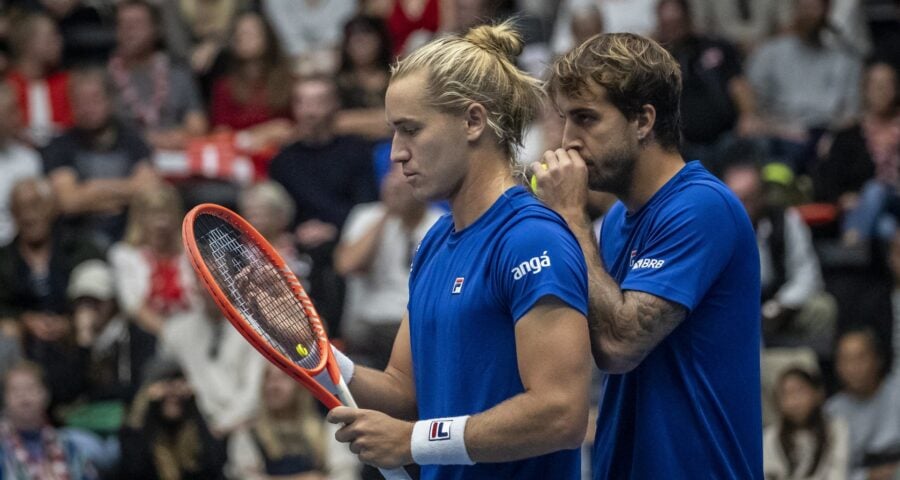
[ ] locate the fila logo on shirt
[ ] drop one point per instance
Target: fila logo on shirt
(457, 285)
(440, 430)
(533, 265)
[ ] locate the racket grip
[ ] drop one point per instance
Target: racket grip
(347, 399)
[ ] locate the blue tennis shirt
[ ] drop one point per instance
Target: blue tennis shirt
(691, 409)
(467, 291)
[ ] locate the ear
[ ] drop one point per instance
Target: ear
(646, 119)
(476, 121)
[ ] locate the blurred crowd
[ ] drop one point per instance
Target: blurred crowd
(118, 115)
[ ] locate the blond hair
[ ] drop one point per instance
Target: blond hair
(479, 67)
(634, 70)
(158, 196)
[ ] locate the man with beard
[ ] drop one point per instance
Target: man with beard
(674, 283)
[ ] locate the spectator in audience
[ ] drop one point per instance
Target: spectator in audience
(165, 436)
(17, 160)
(374, 255)
(223, 369)
(269, 208)
(98, 165)
(716, 97)
(289, 438)
(154, 93)
(85, 26)
(796, 310)
(154, 280)
(864, 162)
(41, 89)
(744, 23)
(803, 85)
(407, 19)
(805, 443)
(253, 97)
(326, 175)
(31, 448)
(869, 402)
(309, 30)
(576, 21)
(852, 153)
(35, 267)
(197, 30)
(363, 77)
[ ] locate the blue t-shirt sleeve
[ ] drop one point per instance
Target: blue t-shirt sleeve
(690, 243)
(540, 257)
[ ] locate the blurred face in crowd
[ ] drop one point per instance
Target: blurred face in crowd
(10, 118)
(161, 224)
(46, 42)
(32, 207)
(858, 364)
(603, 136)
(315, 104)
(135, 32)
(810, 17)
(173, 395)
(798, 399)
(396, 194)
(25, 399)
(586, 24)
(363, 47)
(249, 40)
(279, 391)
(880, 89)
(747, 187)
(673, 23)
(90, 103)
(268, 219)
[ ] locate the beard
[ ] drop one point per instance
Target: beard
(613, 172)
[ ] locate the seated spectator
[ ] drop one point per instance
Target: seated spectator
(17, 160)
(862, 172)
(223, 369)
(30, 447)
(716, 98)
(576, 21)
(269, 208)
(747, 24)
(165, 436)
(197, 30)
(289, 438)
(41, 89)
(85, 26)
(796, 310)
(154, 94)
(374, 255)
(869, 402)
(35, 267)
(98, 165)
(363, 77)
(411, 18)
(805, 443)
(804, 86)
(253, 97)
(154, 280)
(309, 31)
(326, 174)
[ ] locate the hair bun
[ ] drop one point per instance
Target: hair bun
(502, 39)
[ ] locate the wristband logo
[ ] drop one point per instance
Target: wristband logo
(440, 430)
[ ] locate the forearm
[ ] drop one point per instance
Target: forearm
(99, 195)
(390, 391)
(368, 122)
(527, 425)
(357, 256)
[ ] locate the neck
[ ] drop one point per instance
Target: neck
(251, 69)
(31, 69)
(315, 136)
(26, 424)
(137, 59)
(655, 166)
(488, 177)
(883, 117)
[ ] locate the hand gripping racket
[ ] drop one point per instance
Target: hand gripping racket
(260, 296)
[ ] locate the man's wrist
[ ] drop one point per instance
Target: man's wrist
(440, 441)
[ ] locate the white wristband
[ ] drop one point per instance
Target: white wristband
(440, 441)
(345, 365)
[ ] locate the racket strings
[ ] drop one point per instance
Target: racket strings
(259, 291)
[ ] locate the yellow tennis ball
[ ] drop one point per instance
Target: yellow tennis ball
(302, 350)
(534, 185)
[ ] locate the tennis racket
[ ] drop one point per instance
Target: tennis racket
(260, 296)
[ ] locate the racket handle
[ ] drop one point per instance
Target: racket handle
(347, 399)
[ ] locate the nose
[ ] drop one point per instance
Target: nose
(570, 140)
(399, 152)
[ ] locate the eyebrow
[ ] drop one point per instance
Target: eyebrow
(582, 110)
(400, 121)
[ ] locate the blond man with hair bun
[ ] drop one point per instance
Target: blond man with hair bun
(489, 373)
